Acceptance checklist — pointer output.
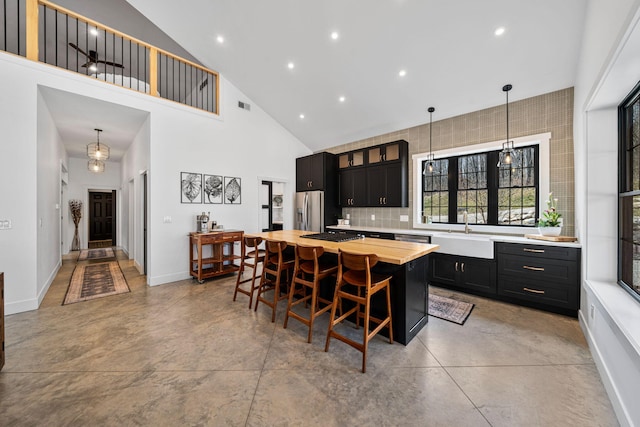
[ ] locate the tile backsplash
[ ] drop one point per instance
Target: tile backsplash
(551, 112)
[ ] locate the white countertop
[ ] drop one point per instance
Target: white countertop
(494, 237)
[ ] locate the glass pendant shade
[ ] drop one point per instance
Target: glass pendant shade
(508, 153)
(98, 151)
(430, 162)
(95, 166)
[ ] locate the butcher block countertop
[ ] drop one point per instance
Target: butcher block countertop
(389, 251)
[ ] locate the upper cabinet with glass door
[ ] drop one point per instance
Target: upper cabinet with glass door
(351, 159)
(391, 152)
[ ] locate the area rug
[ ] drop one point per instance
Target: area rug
(93, 281)
(100, 253)
(449, 309)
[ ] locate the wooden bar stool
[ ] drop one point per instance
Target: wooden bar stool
(355, 270)
(275, 263)
(309, 270)
(251, 257)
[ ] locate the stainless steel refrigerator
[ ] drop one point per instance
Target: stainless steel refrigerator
(311, 211)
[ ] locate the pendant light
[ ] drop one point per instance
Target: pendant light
(429, 166)
(98, 151)
(95, 166)
(508, 154)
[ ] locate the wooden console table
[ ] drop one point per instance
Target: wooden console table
(222, 257)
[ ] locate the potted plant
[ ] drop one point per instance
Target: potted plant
(550, 224)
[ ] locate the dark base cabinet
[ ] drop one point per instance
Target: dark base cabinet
(540, 276)
(468, 274)
(409, 298)
(2, 319)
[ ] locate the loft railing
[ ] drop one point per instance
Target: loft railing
(43, 31)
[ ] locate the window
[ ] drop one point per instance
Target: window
(490, 195)
(435, 196)
(629, 194)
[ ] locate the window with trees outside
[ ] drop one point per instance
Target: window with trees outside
(629, 194)
(490, 195)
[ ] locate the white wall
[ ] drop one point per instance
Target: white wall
(609, 316)
(50, 156)
(239, 143)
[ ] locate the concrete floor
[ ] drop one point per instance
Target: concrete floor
(185, 354)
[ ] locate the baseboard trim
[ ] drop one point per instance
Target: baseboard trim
(168, 278)
(20, 306)
(50, 280)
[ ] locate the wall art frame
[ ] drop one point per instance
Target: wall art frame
(190, 187)
(232, 190)
(213, 190)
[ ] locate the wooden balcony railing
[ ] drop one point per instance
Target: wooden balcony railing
(43, 31)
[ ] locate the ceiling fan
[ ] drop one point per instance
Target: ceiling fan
(93, 60)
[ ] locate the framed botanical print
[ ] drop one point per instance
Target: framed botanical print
(190, 187)
(213, 190)
(232, 190)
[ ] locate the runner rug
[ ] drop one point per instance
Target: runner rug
(96, 254)
(449, 309)
(93, 281)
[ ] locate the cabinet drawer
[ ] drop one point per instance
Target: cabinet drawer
(538, 251)
(539, 292)
(539, 269)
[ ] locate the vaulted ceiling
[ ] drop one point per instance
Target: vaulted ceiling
(448, 50)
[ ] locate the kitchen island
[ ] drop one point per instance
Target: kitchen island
(406, 261)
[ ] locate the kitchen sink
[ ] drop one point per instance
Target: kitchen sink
(474, 245)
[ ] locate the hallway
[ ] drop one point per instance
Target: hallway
(185, 354)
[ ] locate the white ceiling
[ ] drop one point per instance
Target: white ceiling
(76, 117)
(452, 58)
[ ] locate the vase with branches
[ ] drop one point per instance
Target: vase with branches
(75, 206)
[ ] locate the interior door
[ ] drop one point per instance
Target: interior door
(101, 217)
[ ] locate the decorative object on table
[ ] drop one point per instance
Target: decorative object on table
(449, 309)
(93, 254)
(75, 206)
(212, 189)
(191, 187)
(550, 224)
(232, 190)
(90, 281)
(277, 200)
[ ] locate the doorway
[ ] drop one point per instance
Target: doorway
(102, 219)
(271, 205)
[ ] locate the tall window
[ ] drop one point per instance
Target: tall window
(629, 194)
(490, 195)
(435, 195)
(518, 189)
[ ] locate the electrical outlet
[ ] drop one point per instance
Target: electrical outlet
(404, 218)
(373, 217)
(167, 220)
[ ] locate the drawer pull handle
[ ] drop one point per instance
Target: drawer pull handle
(456, 265)
(537, 251)
(533, 291)
(526, 267)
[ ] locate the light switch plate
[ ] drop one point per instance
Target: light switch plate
(373, 217)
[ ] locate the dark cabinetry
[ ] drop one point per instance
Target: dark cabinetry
(353, 187)
(542, 276)
(351, 159)
(477, 275)
(383, 176)
(315, 172)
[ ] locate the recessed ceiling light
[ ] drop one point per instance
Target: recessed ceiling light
(335, 35)
(220, 39)
(301, 116)
(341, 99)
(291, 65)
(402, 73)
(94, 31)
(499, 31)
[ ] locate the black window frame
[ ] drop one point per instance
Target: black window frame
(626, 189)
(492, 187)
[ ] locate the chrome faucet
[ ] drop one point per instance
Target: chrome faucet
(465, 217)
